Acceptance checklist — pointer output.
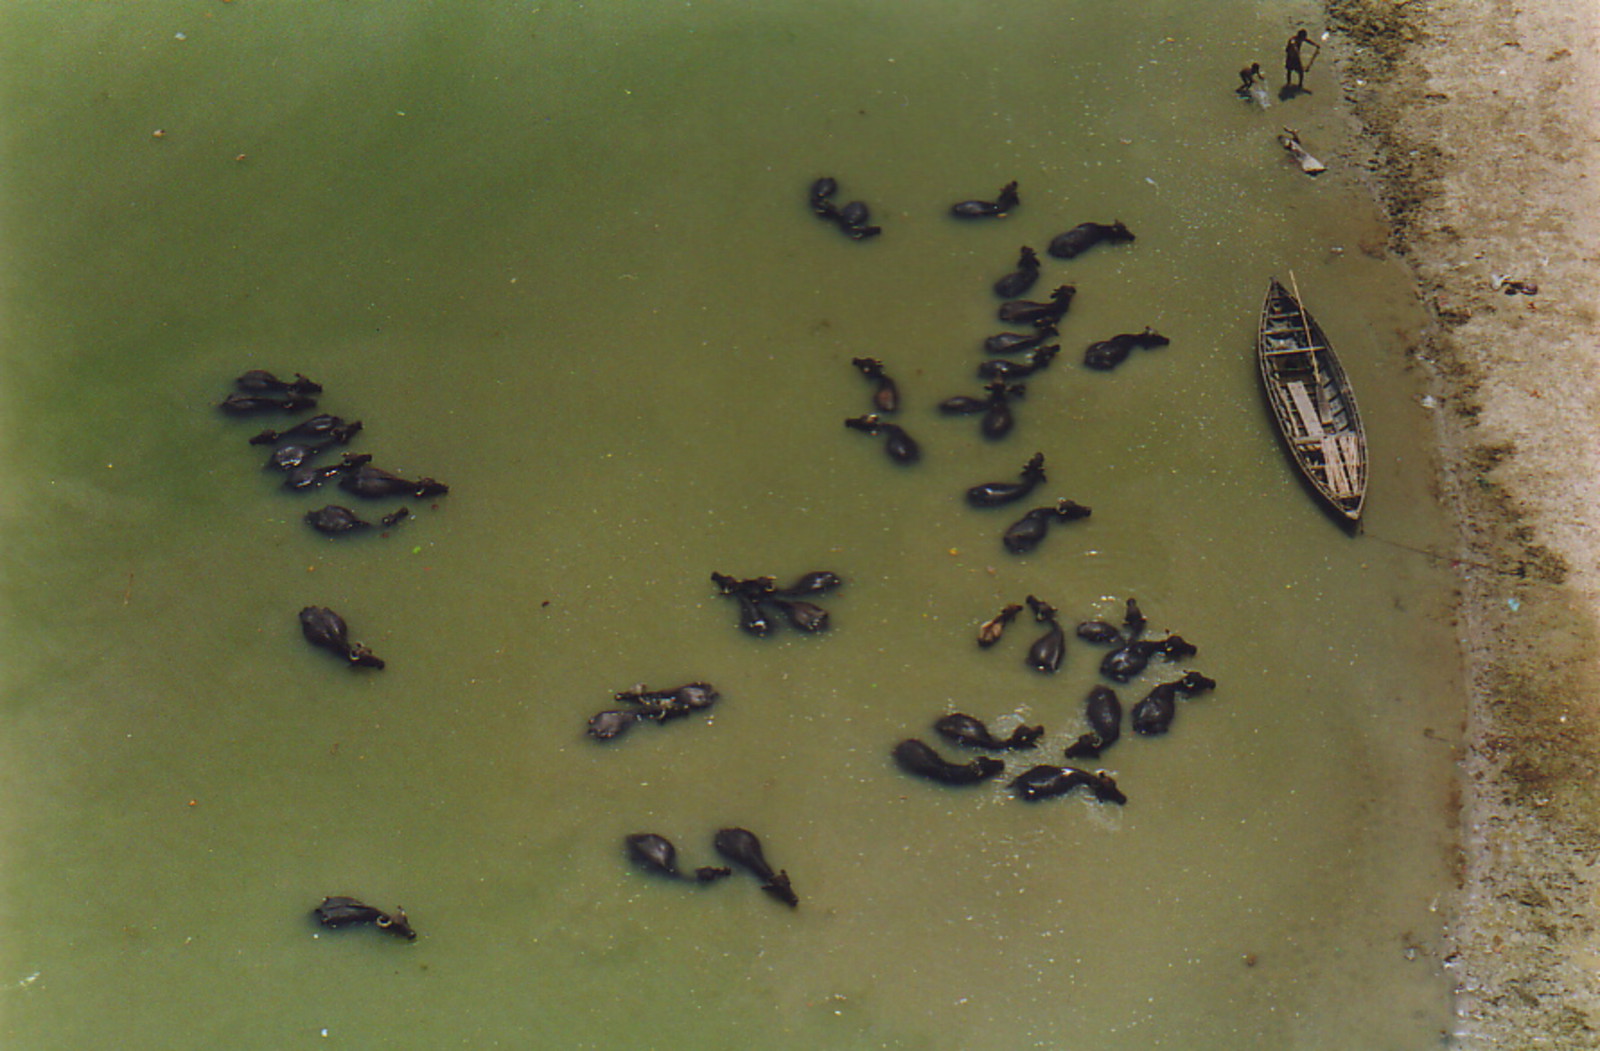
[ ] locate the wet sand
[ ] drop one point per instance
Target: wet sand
(1479, 130)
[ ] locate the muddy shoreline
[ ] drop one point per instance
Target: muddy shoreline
(1477, 129)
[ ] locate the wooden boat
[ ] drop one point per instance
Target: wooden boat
(1312, 402)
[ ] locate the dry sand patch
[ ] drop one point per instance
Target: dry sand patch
(1482, 123)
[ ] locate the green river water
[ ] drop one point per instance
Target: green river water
(557, 254)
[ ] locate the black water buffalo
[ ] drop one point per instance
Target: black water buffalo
(885, 394)
(963, 729)
(657, 854)
(1002, 204)
(897, 445)
(1040, 315)
(1021, 279)
(1042, 782)
(741, 847)
(917, 757)
(1025, 534)
(325, 628)
(1109, 353)
(994, 494)
(1085, 236)
(1104, 713)
(348, 912)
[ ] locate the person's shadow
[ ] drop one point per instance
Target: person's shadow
(1289, 91)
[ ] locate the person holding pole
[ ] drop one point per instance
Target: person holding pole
(1291, 59)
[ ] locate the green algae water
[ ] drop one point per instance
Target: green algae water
(558, 255)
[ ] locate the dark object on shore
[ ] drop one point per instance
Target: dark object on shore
(1085, 236)
(348, 912)
(259, 381)
(1016, 342)
(1104, 713)
(1154, 714)
(1312, 403)
(996, 208)
(885, 395)
(916, 757)
(990, 631)
(319, 426)
(1001, 369)
(657, 854)
(897, 444)
(1043, 782)
(960, 728)
(1046, 652)
(854, 219)
(248, 404)
(994, 494)
(1026, 533)
(1109, 353)
(1022, 278)
(374, 482)
(309, 476)
(741, 847)
(1040, 315)
(325, 628)
(335, 520)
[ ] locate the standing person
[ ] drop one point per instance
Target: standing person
(1291, 58)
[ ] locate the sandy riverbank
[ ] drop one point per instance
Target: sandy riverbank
(1480, 117)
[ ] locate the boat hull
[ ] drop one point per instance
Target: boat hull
(1312, 403)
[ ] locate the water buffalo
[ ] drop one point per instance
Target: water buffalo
(1040, 315)
(1109, 353)
(1085, 236)
(1021, 279)
(916, 757)
(1001, 369)
(348, 912)
(1016, 342)
(1047, 651)
(963, 729)
(1006, 201)
(990, 631)
(1026, 533)
(325, 628)
(898, 445)
(1042, 782)
(885, 394)
(994, 494)
(741, 847)
(657, 854)
(1104, 713)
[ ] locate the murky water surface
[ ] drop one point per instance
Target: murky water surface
(558, 255)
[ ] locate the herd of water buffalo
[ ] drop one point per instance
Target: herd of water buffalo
(763, 605)
(1131, 652)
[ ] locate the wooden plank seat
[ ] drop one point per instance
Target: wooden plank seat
(1300, 397)
(1336, 465)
